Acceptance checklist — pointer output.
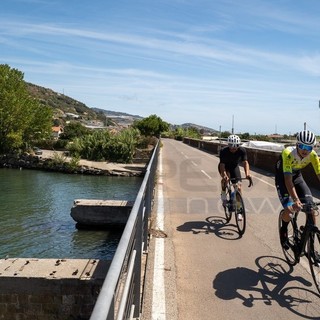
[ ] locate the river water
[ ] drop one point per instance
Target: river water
(35, 216)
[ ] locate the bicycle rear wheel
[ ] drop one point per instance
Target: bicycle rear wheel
(290, 252)
(240, 213)
(313, 254)
(227, 209)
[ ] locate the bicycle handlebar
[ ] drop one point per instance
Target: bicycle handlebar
(250, 181)
(240, 179)
(309, 206)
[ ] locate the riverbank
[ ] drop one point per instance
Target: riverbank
(46, 161)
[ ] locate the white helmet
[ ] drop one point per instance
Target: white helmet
(306, 137)
(234, 141)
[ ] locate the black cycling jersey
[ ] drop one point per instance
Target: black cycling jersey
(231, 161)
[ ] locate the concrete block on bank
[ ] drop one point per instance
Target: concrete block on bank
(101, 212)
(46, 289)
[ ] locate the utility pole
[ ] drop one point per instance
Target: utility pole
(219, 138)
(232, 130)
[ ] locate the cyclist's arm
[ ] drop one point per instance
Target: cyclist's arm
(222, 170)
(246, 168)
(315, 163)
(297, 205)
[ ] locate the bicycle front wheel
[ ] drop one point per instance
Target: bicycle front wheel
(313, 254)
(240, 214)
(290, 252)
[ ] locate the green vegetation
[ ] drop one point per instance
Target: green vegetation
(151, 126)
(23, 119)
(102, 145)
(179, 133)
(28, 112)
(73, 130)
(60, 160)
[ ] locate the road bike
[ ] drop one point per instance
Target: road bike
(234, 203)
(304, 240)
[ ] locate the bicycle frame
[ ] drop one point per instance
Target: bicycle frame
(301, 237)
(305, 242)
(235, 204)
(234, 186)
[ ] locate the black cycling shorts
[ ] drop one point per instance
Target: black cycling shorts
(302, 189)
(233, 172)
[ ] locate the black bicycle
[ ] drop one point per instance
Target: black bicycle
(304, 240)
(234, 203)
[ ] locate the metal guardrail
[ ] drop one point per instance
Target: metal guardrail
(120, 295)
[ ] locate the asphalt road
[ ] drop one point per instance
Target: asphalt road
(198, 266)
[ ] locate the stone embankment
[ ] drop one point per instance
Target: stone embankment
(55, 161)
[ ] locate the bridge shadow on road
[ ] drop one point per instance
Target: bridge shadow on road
(272, 283)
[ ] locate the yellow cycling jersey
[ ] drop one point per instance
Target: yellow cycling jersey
(292, 162)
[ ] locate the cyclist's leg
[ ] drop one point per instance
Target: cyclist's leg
(223, 184)
(286, 202)
(235, 177)
(304, 192)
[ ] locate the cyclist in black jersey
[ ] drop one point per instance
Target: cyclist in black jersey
(291, 187)
(230, 158)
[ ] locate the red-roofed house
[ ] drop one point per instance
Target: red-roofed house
(56, 131)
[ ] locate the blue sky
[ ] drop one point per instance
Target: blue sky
(200, 61)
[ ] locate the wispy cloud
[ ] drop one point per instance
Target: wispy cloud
(198, 62)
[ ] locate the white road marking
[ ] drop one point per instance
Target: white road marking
(194, 163)
(206, 174)
(269, 184)
(158, 293)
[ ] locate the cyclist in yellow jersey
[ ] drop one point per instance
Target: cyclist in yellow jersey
(291, 187)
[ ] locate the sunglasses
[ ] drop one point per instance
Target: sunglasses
(233, 146)
(302, 146)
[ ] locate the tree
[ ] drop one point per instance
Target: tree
(23, 119)
(151, 126)
(74, 130)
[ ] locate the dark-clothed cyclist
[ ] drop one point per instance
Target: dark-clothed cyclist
(291, 187)
(230, 158)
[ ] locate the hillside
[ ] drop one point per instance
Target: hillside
(62, 105)
(199, 127)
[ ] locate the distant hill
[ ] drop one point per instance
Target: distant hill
(199, 127)
(62, 104)
(110, 113)
(121, 118)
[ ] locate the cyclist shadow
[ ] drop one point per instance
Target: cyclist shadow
(214, 224)
(268, 284)
(222, 229)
